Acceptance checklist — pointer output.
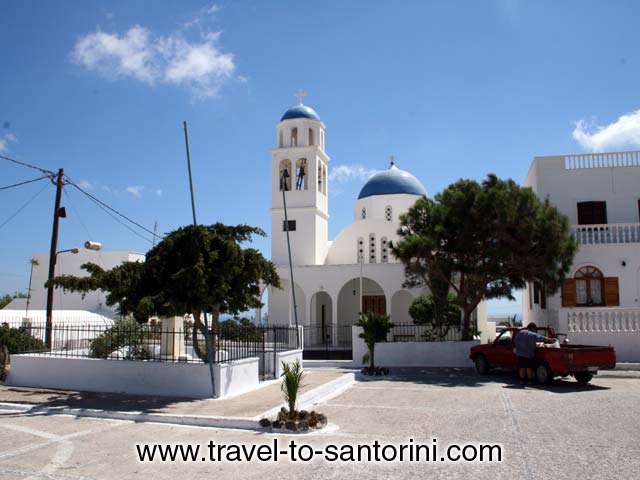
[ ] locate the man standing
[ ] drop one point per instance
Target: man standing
(525, 349)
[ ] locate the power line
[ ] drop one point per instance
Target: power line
(23, 206)
(24, 183)
(103, 204)
(124, 224)
(48, 173)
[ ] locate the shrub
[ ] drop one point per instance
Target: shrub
(292, 382)
(438, 316)
(18, 340)
(126, 334)
(375, 328)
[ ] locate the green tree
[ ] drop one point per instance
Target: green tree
(192, 270)
(6, 299)
(437, 315)
(375, 328)
(484, 240)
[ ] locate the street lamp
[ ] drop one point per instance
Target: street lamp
(89, 245)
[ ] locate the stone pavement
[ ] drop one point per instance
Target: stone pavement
(247, 405)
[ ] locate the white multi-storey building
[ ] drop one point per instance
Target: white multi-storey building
(334, 279)
(600, 301)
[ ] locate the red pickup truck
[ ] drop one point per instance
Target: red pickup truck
(581, 361)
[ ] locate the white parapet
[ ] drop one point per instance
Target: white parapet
(172, 344)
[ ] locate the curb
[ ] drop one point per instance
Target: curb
(325, 391)
(628, 366)
(316, 395)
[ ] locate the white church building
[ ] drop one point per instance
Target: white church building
(334, 279)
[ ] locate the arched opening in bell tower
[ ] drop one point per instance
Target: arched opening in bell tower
(285, 175)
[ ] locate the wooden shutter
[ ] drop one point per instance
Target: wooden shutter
(611, 292)
(569, 293)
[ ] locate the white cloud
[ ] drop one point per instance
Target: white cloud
(6, 140)
(213, 9)
(85, 184)
(135, 190)
(346, 173)
(624, 132)
(159, 192)
(198, 65)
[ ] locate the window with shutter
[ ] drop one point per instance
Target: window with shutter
(592, 213)
(569, 293)
(611, 292)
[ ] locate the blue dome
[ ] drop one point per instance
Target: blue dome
(392, 181)
(300, 111)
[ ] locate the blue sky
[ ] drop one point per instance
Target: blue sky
(452, 89)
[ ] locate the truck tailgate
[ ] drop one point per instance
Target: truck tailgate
(577, 358)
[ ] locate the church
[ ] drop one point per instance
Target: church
(335, 279)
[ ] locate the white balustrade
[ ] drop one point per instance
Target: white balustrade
(606, 234)
(602, 160)
(597, 320)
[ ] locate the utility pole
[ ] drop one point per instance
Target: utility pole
(207, 333)
(52, 258)
(283, 186)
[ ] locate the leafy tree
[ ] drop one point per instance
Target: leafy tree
(192, 270)
(439, 316)
(484, 240)
(375, 328)
(127, 335)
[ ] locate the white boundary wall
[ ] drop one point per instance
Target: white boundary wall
(173, 379)
(415, 354)
(289, 356)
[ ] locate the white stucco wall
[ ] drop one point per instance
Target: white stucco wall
(190, 380)
(415, 354)
(288, 357)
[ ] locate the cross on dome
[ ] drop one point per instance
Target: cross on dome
(300, 94)
(392, 161)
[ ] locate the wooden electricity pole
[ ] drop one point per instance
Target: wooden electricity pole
(52, 258)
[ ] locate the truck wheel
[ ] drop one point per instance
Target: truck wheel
(482, 366)
(544, 375)
(583, 377)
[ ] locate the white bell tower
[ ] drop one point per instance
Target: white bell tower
(299, 166)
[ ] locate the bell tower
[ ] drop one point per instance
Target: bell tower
(299, 167)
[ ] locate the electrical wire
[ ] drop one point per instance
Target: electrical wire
(108, 207)
(24, 206)
(24, 183)
(84, 226)
(49, 173)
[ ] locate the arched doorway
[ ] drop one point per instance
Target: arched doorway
(349, 308)
(319, 336)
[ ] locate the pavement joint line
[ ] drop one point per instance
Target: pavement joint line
(508, 407)
(321, 393)
(46, 475)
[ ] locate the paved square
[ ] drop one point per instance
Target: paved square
(565, 431)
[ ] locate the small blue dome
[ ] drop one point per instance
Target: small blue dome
(392, 181)
(300, 111)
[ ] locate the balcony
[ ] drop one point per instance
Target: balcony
(599, 320)
(606, 234)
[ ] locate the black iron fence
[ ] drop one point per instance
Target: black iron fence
(404, 332)
(129, 340)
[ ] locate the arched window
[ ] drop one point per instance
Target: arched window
(360, 250)
(388, 213)
(372, 248)
(384, 250)
(285, 175)
(363, 213)
(589, 286)
(294, 137)
(311, 139)
(319, 178)
(302, 172)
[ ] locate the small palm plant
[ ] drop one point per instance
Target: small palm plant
(375, 328)
(292, 382)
